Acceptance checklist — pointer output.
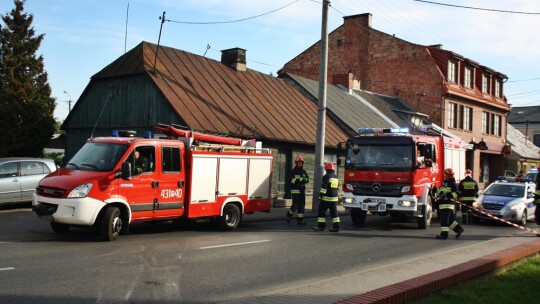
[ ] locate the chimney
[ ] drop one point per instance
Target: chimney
(362, 19)
(347, 80)
(235, 58)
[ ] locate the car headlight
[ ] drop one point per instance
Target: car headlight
(348, 200)
(80, 191)
(515, 206)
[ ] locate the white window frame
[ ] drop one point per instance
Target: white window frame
(452, 71)
(486, 88)
(469, 78)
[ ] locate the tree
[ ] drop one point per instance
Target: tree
(26, 106)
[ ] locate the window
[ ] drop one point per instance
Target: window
(469, 80)
(33, 168)
(498, 88)
(452, 115)
(467, 119)
(9, 170)
(497, 125)
(171, 160)
(142, 159)
(485, 122)
(486, 86)
(452, 71)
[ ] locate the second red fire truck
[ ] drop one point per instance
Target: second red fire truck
(392, 172)
(114, 181)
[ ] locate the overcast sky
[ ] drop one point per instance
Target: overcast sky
(83, 36)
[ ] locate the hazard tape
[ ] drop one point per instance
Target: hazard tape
(499, 219)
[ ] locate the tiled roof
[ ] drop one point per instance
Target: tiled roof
(210, 96)
(351, 109)
(524, 148)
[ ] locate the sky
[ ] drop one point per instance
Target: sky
(84, 36)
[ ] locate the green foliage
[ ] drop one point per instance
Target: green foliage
(26, 105)
(517, 284)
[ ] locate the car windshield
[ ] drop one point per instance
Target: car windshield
(506, 190)
(531, 176)
(97, 157)
(380, 156)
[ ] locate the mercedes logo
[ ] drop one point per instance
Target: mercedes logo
(376, 187)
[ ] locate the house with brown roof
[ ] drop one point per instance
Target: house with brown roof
(457, 93)
(150, 85)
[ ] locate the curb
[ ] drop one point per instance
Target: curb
(424, 285)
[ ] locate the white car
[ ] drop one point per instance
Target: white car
(509, 201)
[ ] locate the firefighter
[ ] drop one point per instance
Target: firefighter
(467, 195)
(446, 195)
(328, 199)
(299, 179)
(537, 204)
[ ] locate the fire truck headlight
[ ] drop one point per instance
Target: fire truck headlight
(406, 189)
(406, 203)
(349, 187)
(80, 191)
(348, 200)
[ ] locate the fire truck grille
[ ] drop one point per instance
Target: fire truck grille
(50, 192)
(378, 189)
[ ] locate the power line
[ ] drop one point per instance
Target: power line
(234, 21)
(478, 8)
(523, 80)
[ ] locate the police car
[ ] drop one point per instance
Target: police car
(511, 201)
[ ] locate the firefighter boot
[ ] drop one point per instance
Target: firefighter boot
(335, 228)
(300, 221)
(318, 228)
(288, 216)
(459, 230)
(464, 218)
(442, 236)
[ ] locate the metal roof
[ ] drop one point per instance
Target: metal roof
(210, 96)
(349, 108)
(521, 146)
(524, 114)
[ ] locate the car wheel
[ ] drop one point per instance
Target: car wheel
(59, 227)
(231, 217)
(358, 216)
(523, 220)
(111, 224)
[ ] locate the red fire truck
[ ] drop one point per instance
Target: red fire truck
(392, 172)
(114, 181)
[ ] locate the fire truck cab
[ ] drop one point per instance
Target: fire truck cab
(392, 172)
(114, 181)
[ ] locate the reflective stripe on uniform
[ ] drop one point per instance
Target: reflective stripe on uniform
(330, 199)
(468, 199)
(321, 220)
(335, 220)
(446, 206)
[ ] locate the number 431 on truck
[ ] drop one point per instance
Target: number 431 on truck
(114, 181)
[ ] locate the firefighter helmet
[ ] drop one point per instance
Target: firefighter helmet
(449, 171)
(468, 172)
(299, 159)
(329, 166)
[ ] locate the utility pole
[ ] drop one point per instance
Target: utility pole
(321, 109)
(69, 101)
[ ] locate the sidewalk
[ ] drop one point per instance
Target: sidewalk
(403, 281)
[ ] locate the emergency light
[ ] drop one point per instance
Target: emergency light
(383, 130)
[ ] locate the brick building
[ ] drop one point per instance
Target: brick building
(456, 93)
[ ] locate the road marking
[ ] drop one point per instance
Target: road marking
(234, 244)
(7, 268)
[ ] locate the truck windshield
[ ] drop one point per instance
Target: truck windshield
(97, 157)
(380, 157)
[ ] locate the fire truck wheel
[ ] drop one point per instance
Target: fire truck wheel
(59, 227)
(231, 217)
(427, 213)
(358, 216)
(111, 224)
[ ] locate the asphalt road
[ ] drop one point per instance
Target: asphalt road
(198, 263)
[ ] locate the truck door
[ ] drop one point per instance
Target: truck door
(171, 183)
(141, 191)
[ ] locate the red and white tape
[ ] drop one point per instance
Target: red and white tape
(500, 219)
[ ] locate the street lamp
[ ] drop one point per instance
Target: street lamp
(69, 100)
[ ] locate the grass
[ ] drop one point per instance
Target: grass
(517, 283)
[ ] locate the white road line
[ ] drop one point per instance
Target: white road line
(235, 244)
(7, 268)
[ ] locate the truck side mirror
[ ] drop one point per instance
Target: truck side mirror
(126, 171)
(428, 163)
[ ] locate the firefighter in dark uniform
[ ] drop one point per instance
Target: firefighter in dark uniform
(328, 199)
(537, 203)
(467, 194)
(446, 195)
(299, 179)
